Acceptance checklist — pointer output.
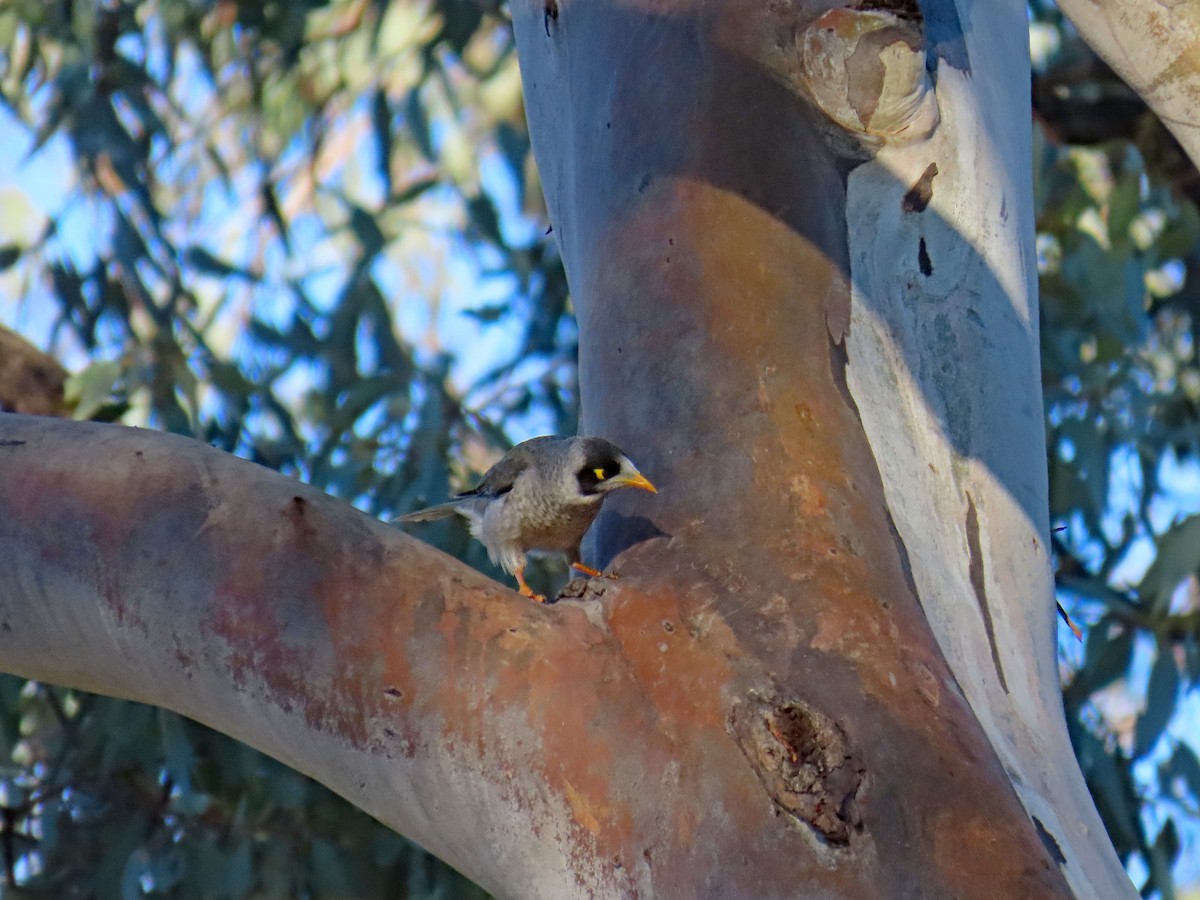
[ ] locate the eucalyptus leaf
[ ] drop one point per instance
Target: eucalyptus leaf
(89, 389)
(9, 254)
(1177, 557)
(1160, 702)
(381, 131)
(178, 750)
(1109, 651)
(1185, 766)
(1112, 788)
(207, 262)
(418, 124)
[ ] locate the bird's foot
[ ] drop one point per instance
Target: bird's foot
(526, 590)
(590, 572)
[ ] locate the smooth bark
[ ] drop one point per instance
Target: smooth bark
(941, 235)
(1155, 46)
(768, 209)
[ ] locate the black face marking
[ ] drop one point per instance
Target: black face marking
(595, 471)
(601, 461)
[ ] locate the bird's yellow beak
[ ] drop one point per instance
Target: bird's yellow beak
(638, 481)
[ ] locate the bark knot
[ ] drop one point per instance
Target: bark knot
(804, 760)
(865, 68)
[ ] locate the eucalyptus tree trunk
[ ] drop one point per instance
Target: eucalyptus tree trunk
(806, 300)
(827, 266)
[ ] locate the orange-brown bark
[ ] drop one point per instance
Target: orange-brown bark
(701, 212)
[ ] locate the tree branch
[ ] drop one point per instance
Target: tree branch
(619, 746)
(1155, 47)
(154, 568)
(30, 381)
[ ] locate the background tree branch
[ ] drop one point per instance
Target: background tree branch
(1155, 47)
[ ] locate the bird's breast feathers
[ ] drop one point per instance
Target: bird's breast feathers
(530, 522)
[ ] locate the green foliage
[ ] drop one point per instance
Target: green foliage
(117, 800)
(1118, 233)
(273, 215)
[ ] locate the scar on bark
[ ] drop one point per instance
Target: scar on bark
(1049, 842)
(804, 760)
(975, 571)
(917, 197)
(550, 13)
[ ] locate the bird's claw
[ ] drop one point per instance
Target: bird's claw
(526, 591)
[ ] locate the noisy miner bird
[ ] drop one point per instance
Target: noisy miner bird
(541, 497)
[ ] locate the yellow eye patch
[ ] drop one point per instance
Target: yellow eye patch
(599, 474)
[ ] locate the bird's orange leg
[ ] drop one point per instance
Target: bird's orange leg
(590, 572)
(525, 589)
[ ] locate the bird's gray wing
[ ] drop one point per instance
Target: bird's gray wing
(431, 513)
(496, 482)
(499, 479)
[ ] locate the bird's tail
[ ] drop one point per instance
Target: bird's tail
(431, 513)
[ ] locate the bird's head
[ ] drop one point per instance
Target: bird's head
(601, 467)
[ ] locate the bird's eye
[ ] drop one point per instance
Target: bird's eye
(600, 476)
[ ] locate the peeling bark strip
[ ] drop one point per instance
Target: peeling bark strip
(803, 759)
(979, 587)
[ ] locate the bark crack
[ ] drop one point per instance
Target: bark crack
(978, 585)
